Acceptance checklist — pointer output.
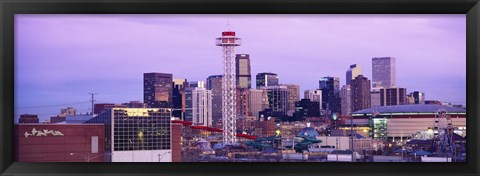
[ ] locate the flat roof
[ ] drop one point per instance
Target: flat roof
(413, 109)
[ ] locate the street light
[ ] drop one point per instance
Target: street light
(88, 158)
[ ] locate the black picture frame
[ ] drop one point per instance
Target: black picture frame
(8, 8)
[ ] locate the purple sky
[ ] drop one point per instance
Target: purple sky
(61, 58)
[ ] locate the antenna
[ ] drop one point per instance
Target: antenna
(93, 100)
(229, 26)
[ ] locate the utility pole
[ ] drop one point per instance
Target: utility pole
(351, 138)
(93, 100)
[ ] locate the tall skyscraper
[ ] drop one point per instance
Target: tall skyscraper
(353, 72)
(314, 96)
(198, 105)
(243, 71)
(277, 98)
(330, 87)
(383, 72)
(157, 90)
(193, 84)
(393, 96)
(266, 79)
(214, 83)
(242, 102)
(258, 101)
(178, 97)
(293, 95)
(346, 100)
(306, 108)
(360, 93)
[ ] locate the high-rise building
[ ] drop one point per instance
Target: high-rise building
(266, 79)
(375, 97)
(157, 90)
(28, 118)
(243, 71)
(68, 111)
(330, 87)
(178, 97)
(360, 87)
(314, 96)
(383, 72)
(353, 72)
(137, 134)
(393, 96)
(417, 97)
(214, 83)
(277, 98)
(306, 108)
(293, 95)
(198, 105)
(135, 104)
(258, 101)
(346, 100)
(193, 84)
(242, 103)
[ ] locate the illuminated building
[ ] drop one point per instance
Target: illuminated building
(136, 134)
(293, 95)
(400, 122)
(157, 90)
(178, 97)
(198, 104)
(330, 87)
(214, 83)
(266, 79)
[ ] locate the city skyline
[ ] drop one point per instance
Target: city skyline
(136, 43)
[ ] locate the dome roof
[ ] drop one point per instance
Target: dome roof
(308, 131)
(409, 109)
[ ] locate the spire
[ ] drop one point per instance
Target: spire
(228, 26)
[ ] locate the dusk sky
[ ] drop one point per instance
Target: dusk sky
(59, 59)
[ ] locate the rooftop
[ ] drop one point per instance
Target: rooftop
(409, 109)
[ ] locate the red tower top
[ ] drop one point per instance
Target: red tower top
(228, 39)
(228, 33)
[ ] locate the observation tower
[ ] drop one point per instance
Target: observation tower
(228, 42)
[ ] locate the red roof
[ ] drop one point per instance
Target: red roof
(228, 33)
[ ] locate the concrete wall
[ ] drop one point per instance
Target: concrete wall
(341, 157)
(142, 156)
(343, 142)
